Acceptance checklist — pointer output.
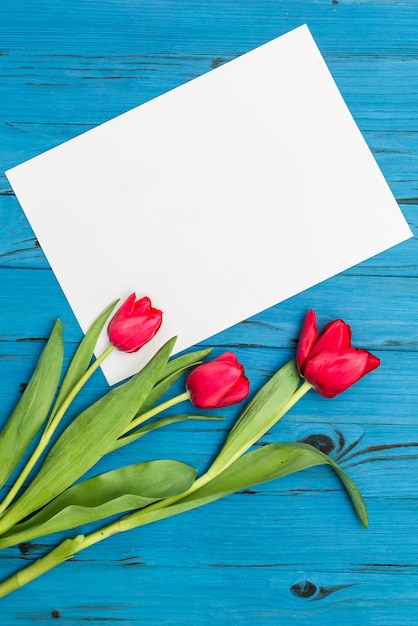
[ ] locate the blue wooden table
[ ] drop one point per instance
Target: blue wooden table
(292, 551)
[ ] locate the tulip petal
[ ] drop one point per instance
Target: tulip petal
(331, 373)
(307, 338)
(131, 334)
(125, 309)
(229, 357)
(142, 306)
(335, 336)
(238, 393)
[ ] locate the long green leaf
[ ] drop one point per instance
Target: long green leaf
(267, 406)
(32, 409)
(256, 467)
(115, 492)
(82, 357)
(275, 461)
(174, 369)
(89, 437)
(160, 423)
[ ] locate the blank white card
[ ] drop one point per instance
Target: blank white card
(217, 199)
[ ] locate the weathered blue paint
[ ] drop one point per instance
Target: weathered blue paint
(291, 552)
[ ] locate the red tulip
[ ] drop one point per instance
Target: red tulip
(218, 383)
(134, 324)
(327, 361)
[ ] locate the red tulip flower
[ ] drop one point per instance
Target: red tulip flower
(134, 324)
(327, 361)
(218, 383)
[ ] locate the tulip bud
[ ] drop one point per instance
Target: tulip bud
(218, 383)
(327, 361)
(134, 324)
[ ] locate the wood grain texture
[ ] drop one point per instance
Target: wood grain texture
(290, 552)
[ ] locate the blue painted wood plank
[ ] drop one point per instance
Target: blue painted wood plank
(208, 569)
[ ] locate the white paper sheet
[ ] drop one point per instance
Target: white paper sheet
(217, 199)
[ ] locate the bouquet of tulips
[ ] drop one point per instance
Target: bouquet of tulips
(47, 492)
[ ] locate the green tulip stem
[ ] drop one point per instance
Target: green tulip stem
(50, 429)
(155, 411)
(154, 512)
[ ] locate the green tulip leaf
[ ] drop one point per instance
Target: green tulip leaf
(112, 493)
(262, 412)
(254, 468)
(89, 437)
(174, 369)
(33, 407)
(271, 462)
(82, 358)
(159, 423)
